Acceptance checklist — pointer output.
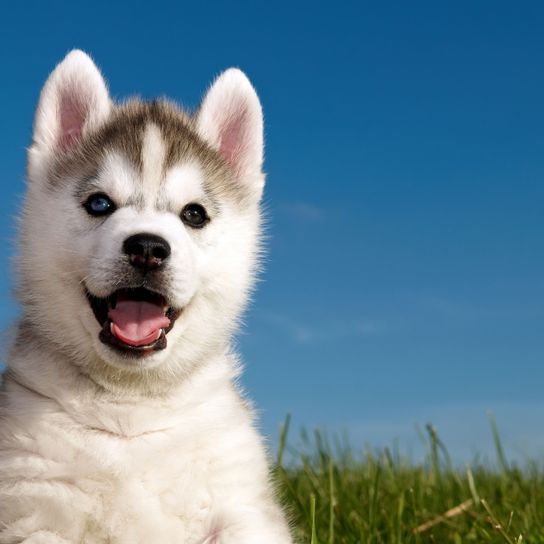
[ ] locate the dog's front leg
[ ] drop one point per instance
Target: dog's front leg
(40, 537)
(250, 528)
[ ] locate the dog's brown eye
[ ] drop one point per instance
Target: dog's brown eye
(99, 204)
(194, 215)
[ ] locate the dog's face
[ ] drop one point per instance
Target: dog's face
(140, 229)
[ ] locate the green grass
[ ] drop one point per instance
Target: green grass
(336, 497)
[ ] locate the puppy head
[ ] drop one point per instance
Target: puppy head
(141, 223)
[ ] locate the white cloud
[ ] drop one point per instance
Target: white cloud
(305, 211)
(306, 333)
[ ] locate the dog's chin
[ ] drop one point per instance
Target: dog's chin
(117, 341)
(116, 359)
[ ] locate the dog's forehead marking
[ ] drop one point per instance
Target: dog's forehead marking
(183, 184)
(153, 159)
(155, 186)
(153, 137)
(117, 176)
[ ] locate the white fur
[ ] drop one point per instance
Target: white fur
(184, 183)
(98, 449)
(154, 153)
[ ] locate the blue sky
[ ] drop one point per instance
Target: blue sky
(404, 280)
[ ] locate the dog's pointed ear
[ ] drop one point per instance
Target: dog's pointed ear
(73, 101)
(230, 120)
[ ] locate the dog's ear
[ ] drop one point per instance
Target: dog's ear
(73, 101)
(230, 119)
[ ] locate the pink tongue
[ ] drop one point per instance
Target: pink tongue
(137, 322)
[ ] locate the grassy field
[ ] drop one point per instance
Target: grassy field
(334, 496)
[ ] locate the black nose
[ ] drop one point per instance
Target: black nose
(146, 251)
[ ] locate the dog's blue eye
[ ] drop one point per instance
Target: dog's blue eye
(99, 204)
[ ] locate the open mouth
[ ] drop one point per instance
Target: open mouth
(134, 321)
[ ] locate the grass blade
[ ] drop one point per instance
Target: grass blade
(501, 458)
(312, 517)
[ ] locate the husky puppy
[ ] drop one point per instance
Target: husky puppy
(120, 418)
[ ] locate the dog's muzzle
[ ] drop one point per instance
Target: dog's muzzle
(134, 321)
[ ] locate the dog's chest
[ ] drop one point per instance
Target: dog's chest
(132, 473)
(151, 488)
